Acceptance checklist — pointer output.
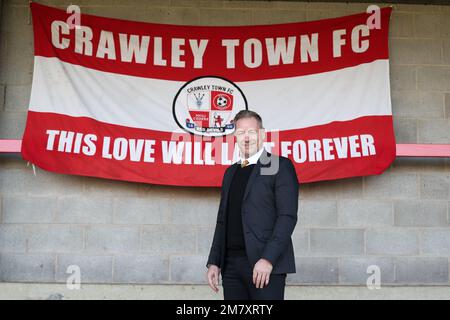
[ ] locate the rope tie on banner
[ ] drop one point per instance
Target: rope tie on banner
(34, 168)
(29, 12)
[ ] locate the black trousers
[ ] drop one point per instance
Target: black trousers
(237, 282)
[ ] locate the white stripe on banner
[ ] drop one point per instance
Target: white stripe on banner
(340, 95)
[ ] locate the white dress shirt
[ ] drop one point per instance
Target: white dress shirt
(252, 159)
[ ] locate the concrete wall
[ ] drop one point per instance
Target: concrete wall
(54, 291)
(120, 232)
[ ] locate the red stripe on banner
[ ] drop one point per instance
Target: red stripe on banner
(362, 146)
(214, 60)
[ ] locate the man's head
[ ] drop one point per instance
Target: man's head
(249, 132)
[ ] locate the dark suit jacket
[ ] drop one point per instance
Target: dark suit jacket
(269, 214)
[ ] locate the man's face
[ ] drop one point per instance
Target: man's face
(249, 136)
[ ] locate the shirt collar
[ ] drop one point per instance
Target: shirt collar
(254, 158)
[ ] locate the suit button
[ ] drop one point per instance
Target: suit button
(247, 232)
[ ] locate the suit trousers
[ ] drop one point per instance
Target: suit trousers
(237, 282)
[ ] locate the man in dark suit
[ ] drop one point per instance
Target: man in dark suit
(252, 246)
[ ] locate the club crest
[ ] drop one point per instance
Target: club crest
(207, 105)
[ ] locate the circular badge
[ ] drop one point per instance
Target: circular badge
(207, 106)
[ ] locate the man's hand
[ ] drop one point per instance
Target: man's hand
(261, 273)
(213, 277)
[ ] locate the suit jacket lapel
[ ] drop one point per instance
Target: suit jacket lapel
(255, 172)
(251, 180)
(228, 185)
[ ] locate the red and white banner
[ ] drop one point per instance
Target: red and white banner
(154, 103)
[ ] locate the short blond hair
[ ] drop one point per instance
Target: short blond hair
(243, 114)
